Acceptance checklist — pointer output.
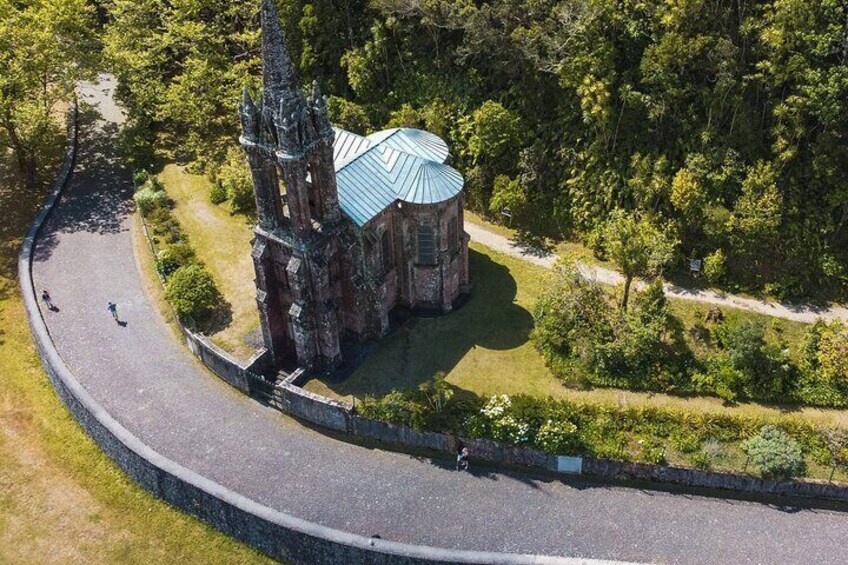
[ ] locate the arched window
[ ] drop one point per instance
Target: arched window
(386, 251)
(453, 242)
(426, 246)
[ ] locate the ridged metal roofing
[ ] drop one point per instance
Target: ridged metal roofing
(374, 172)
(348, 146)
(414, 141)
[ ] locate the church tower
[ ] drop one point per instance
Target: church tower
(289, 144)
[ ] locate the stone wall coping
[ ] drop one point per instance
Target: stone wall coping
(493, 452)
(126, 450)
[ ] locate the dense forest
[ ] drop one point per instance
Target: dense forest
(719, 122)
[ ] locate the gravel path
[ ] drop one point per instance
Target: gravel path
(798, 313)
(152, 385)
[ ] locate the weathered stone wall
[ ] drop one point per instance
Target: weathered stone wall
(223, 364)
(317, 409)
(436, 286)
(399, 435)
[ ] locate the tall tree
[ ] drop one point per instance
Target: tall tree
(46, 46)
(637, 247)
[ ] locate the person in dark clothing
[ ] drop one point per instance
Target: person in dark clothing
(113, 309)
(45, 296)
(462, 459)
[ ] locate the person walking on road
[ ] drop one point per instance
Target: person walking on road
(113, 309)
(462, 460)
(45, 296)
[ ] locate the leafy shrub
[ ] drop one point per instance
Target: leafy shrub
(235, 179)
(348, 115)
(496, 421)
(701, 461)
(393, 408)
(192, 292)
(172, 257)
(642, 348)
(165, 225)
(715, 266)
(761, 370)
(140, 177)
(721, 378)
(557, 437)
(150, 197)
(217, 193)
(826, 351)
(775, 454)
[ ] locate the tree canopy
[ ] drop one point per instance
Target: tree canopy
(46, 46)
(724, 120)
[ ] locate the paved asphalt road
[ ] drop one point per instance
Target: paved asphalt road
(150, 383)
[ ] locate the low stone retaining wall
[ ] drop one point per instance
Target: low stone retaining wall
(274, 533)
(227, 367)
(340, 417)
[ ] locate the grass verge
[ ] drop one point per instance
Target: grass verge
(223, 243)
(61, 499)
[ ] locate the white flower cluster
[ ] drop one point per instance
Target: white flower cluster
(556, 436)
(504, 427)
(496, 407)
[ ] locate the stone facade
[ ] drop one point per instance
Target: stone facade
(321, 278)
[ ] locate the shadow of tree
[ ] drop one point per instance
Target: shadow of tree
(18, 205)
(424, 346)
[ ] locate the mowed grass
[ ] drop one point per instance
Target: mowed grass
(61, 499)
(484, 348)
(222, 242)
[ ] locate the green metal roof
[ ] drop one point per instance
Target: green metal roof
(375, 171)
(413, 141)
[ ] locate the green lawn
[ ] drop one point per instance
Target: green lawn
(223, 243)
(61, 499)
(484, 346)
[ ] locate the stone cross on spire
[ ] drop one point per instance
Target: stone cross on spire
(278, 76)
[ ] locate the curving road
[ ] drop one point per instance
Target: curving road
(151, 384)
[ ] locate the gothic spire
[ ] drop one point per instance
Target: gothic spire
(278, 76)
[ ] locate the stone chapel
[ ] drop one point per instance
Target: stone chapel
(350, 227)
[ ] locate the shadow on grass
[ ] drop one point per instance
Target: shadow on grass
(424, 346)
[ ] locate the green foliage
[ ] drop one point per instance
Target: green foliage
(577, 330)
(234, 178)
(687, 194)
(508, 195)
(637, 247)
(150, 197)
(217, 193)
(437, 392)
(725, 120)
(405, 117)
(46, 48)
(715, 266)
(393, 408)
(775, 454)
(826, 351)
(192, 292)
(557, 436)
(348, 115)
(568, 426)
(172, 257)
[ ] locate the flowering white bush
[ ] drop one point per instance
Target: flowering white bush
(557, 437)
(510, 430)
(497, 406)
(495, 422)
